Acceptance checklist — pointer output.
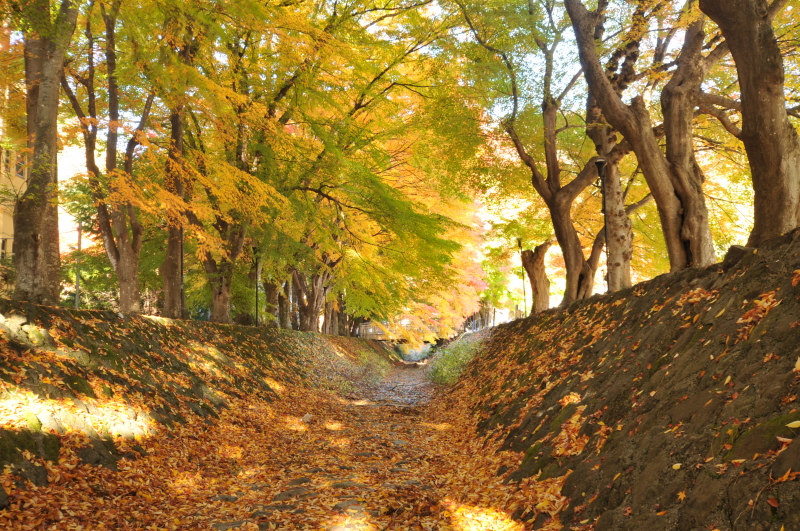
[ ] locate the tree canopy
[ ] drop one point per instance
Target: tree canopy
(296, 162)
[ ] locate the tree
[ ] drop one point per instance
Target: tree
(675, 184)
(117, 217)
(770, 140)
(558, 197)
(36, 252)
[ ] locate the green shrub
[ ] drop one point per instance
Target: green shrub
(448, 363)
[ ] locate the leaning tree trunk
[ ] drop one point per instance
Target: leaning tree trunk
(678, 102)
(580, 280)
(36, 252)
(771, 142)
(533, 262)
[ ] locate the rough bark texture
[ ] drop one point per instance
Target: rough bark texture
(618, 225)
(36, 252)
(684, 220)
(533, 262)
(619, 230)
(171, 267)
(678, 102)
(271, 296)
(771, 142)
(285, 306)
(311, 297)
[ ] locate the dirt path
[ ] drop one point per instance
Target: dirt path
(394, 456)
(380, 460)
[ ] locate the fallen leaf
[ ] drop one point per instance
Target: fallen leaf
(682, 495)
(676, 466)
(773, 502)
(793, 425)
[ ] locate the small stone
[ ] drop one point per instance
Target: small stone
(365, 454)
(224, 497)
(50, 422)
(399, 442)
(36, 474)
(299, 481)
(413, 482)
(346, 485)
(397, 470)
(291, 493)
(314, 471)
(80, 404)
(348, 505)
(788, 460)
(307, 418)
(345, 467)
(267, 509)
(225, 526)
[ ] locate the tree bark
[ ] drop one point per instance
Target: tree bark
(619, 229)
(533, 262)
(684, 219)
(285, 306)
(678, 102)
(170, 269)
(36, 252)
(311, 297)
(271, 296)
(220, 298)
(771, 143)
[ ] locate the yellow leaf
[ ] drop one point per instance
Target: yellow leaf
(618, 475)
(676, 466)
(682, 495)
(795, 424)
(728, 379)
(720, 312)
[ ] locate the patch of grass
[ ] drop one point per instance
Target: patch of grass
(374, 366)
(448, 363)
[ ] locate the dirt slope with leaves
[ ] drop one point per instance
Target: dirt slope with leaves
(672, 405)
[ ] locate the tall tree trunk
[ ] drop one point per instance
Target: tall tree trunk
(619, 229)
(272, 296)
(170, 269)
(580, 281)
(678, 102)
(285, 306)
(617, 224)
(684, 220)
(36, 253)
(343, 318)
(533, 262)
(771, 142)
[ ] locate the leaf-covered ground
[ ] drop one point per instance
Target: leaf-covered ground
(148, 424)
(376, 459)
